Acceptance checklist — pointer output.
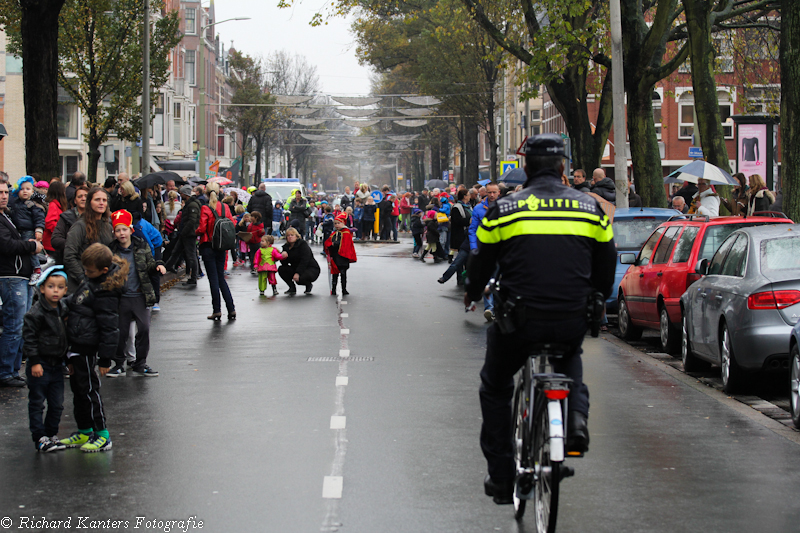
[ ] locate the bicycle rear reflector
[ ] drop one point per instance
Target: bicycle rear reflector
(556, 394)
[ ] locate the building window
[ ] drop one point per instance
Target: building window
(220, 141)
(657, 113)
(190, 67)
(487, 148)
(686, 116)
(535, 115)
(191, 20)
(67, 115)
(726, 113)
(763, 100)
(724, 57)
(536, 130)
(68, 165)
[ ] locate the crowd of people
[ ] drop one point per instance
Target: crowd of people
(80, 272)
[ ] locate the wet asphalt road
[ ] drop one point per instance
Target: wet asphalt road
(236, 431)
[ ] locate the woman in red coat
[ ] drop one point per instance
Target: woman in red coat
(341, 252)
(56, 204)
(256, 230)
(215, 260)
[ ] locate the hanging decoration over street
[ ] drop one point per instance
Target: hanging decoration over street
(309, 121)
(411, 123)
(356, 100)
(360, 123)
(409, 137)
(292, 100)
(416, 112)
(357, 113)
(312, 137)
(422, 100)
(302, 111)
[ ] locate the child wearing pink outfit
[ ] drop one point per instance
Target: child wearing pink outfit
(264, 263)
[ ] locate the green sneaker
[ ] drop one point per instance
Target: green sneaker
(76, 439)
(97, 444)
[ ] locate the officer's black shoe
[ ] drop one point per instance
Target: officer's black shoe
(577, 433)
(501, 493)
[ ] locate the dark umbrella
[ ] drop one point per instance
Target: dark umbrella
(195, 180)
(433, 184)
(515, 176)
(157, 178)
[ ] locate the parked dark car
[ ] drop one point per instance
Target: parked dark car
(740, 314)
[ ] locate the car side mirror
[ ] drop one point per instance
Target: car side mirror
(627, 259)
(702, 267)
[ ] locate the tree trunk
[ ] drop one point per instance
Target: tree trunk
(94, 158)
(259, 148)
(39, 30)
(645, 155)
(436, 159)
(494, 167)
(790, 103)
(709, 120)
(471, 151)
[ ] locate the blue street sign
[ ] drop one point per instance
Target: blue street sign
(505, 166)
(695, 152)
(376, 195)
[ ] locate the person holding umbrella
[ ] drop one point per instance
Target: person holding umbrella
(706, 201)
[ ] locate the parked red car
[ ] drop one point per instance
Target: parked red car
(649, 294)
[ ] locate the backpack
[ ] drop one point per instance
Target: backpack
(442, 218)
(224, 236)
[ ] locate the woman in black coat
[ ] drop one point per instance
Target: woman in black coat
(298, 265)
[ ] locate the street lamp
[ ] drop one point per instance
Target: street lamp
(201, 121)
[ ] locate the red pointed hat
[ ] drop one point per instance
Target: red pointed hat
(121, 217)
(341, 216)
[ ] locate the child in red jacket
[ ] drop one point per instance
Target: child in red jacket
(341, 252)
(256, 230)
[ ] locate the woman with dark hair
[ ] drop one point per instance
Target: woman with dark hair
(56, 204)
(215, 260)
(737, 204)
(65, 222)
(94, 226)
(298, 265)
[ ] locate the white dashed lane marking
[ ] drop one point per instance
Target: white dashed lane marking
(345, 332)
(332, 487)
(338, 422)
(344, 315)
(344, 353)
(341, 381)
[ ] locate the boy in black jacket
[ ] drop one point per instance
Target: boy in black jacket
(45, 344)
(93, 333)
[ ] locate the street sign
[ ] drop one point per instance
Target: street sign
(376, 195)
(695, 152)
(505, 166)
(399, 177)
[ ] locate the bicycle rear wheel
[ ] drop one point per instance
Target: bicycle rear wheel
(545, 496)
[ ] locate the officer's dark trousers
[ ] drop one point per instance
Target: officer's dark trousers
(85, 385)
(505, 355)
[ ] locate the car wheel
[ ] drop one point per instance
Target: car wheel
(690, 362)
(669, 336)
(627, 330)
(732, 374)
(795, 385)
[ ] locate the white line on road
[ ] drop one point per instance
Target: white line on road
(342, 381)
(338, 422)
(345, 332)
(344, 315)
(343, 302)
(344, 353)
(332, 487)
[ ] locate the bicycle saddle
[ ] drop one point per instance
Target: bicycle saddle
(551, 349)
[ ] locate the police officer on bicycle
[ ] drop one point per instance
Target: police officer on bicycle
(551, 248)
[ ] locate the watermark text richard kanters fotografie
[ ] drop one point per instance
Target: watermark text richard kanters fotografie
(143, 523)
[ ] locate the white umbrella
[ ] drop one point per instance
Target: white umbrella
(697, 170)
(243, 195)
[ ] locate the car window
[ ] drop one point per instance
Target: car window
(630, 233)
(665, 246)
(684, 247)
(647, 249)
(719, 257)
(734, 262)
(780, 254)
(716, 234)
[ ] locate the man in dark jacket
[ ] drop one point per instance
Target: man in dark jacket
(16, 293)
(603, 186)
(187, 243)
(78, 179)
(299, 211)
(688, 191)
(261, 201)
(579, 182)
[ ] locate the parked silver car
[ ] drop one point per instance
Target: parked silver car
(740, 314)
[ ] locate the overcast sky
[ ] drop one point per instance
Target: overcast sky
(330, 48)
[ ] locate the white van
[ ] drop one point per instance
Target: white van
(282, 189)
